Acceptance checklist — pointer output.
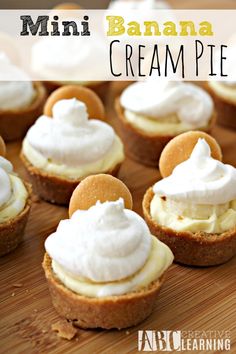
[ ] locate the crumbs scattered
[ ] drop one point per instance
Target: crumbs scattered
(180, 217)
(127, 332)
(64, 329)
(17, 285)
(13, 294)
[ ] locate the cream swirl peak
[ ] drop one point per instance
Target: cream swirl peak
(161, 99)
(16, 89)
(200, 179)
(104, 243)
(65, 58)
(70, 138)
(13, 194)
(5, 182)
(138, 5)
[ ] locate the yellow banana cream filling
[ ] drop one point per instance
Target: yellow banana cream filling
(181, 216)
(170, 125)
(108, 162)
(16, 203)
(158, 261)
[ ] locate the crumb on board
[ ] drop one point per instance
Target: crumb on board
(13, 294)
(64, 329)
(17, 285)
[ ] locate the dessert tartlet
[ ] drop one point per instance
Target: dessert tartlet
(193, 208)
(224, 92)
(127, 5)
(14, 205)
(104, 268)
(59, 152)
(21, 101)
(224, 96)
(151, 113)
(61, 61)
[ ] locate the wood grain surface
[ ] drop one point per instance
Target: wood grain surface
(191, 299)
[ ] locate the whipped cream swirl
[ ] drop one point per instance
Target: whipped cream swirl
(67, 58)
(16, 89)
(104, 243)
(138, 5)
(200, 179)
(69, 137)
(13, 194)
(161, 99)
(5, 182)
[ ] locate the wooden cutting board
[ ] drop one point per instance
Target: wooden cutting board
(191, 298)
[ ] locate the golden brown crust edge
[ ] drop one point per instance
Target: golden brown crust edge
(141, 147)
(226, 111)
(110, 312)
(11, 231)
(101, 89)
(51, 188)
(194, 249)
(15, 123)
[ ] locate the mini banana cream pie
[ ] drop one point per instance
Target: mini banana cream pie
(58, 61)
(151, 113)
(193, 208)
(103, 267)
(127, 5)
(14, 205)
(224, 95)
(224, 92)
(21, 101)
(61, 150)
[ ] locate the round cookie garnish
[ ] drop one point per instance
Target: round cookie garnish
(100, 187)
(2, 147)
(180, 148)
(93, 103)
